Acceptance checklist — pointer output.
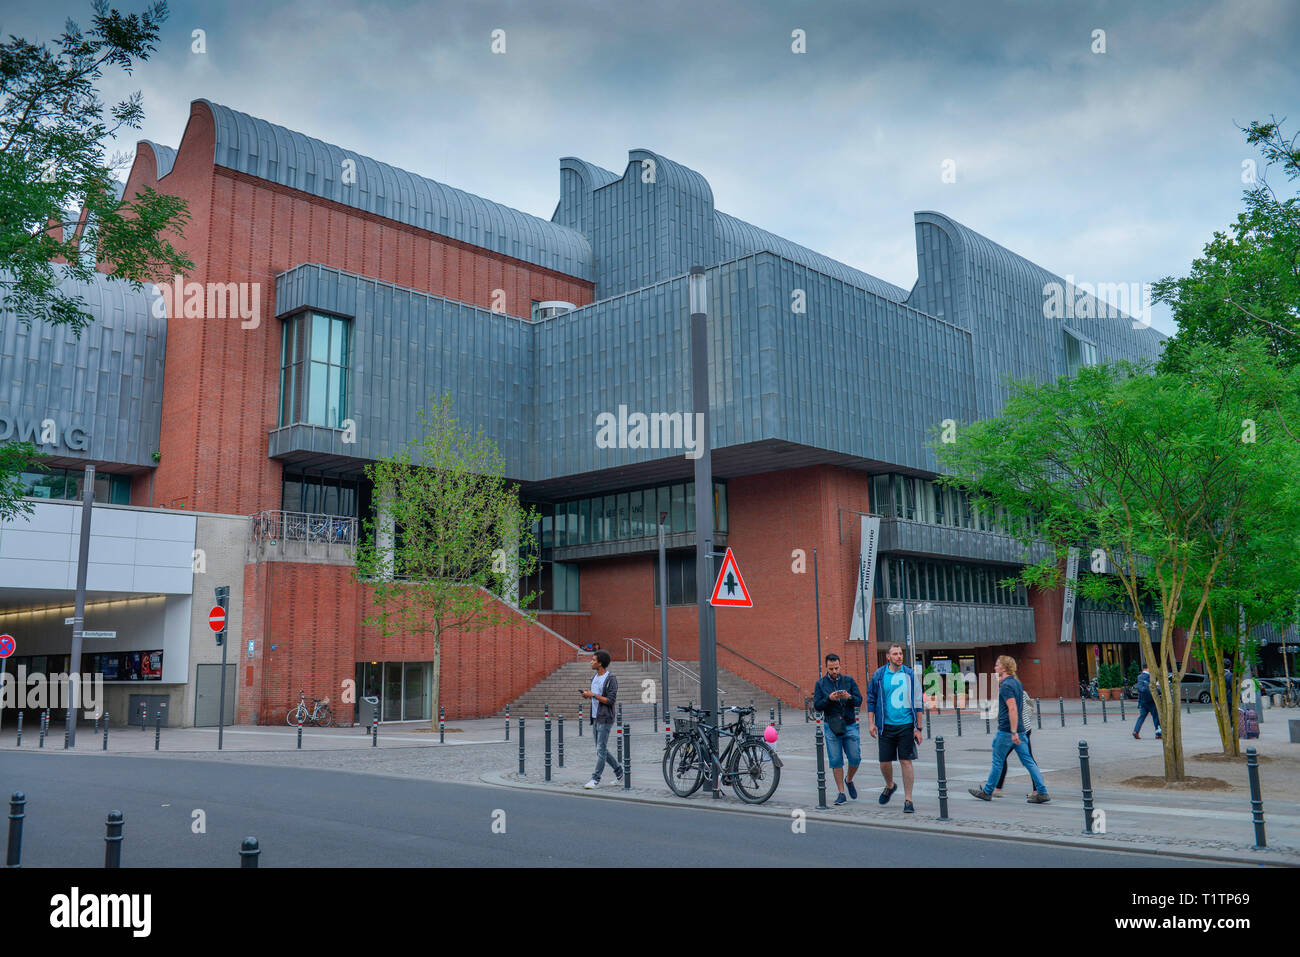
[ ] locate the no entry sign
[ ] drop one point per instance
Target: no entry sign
(217, 618)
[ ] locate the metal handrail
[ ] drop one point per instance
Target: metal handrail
(654, 652)
(311, 527)
(733, 651)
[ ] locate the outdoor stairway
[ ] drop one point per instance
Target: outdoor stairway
(560, 689)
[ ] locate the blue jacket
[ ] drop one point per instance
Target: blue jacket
(1144, 689)
(876, 695)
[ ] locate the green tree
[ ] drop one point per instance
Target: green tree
(14, 458)
(1247, 280)
(450, 539)
(1149, 473)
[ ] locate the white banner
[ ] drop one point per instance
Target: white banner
(1067, 611)
(866, 578)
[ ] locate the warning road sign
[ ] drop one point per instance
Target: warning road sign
(730, 590)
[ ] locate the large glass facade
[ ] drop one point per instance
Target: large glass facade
(404, 688)
(66, 485)
(314, 358)
(626, 515)
(318, 495)
(923, 580)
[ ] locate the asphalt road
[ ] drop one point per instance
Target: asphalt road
(309, 817)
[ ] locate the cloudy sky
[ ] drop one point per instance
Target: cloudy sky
(1110, 166)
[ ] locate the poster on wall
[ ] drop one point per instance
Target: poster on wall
(151, 666)
(859, 627)
(109, 666)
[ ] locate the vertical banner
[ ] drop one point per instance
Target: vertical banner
(859, 626)
(1067, 611)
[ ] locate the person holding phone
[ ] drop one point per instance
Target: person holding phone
(602, 695)
(838, 698)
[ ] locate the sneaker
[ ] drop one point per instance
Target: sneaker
(592, 784)
(853, 791)
(1139, 737)
(841, 799)
(887, 793)
(981, 794)
(618, 774)
(1037, 798)
(1157, 735)
(997, 792)
(907, 808)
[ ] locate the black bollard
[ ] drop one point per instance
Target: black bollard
(1122, 716)
(105, 730)
(521, 745)
(627, 757)
(113, 840)
(1038, 712)
(806, 717)
(374, 732)
(821, 767)
(300, 731)
(547, 760)
(943, 778)
(1256, 800)
(561, 731)
(1083, 703)
(20, 727)
(442, 732)
(654, 715)
(958, 710)
(157, 730)
(66, 730)
(1062, 703)
(144, 716)
(442, 713)
(987, 721)
(249, 852)
(1103, 710)
(507, 722)
(620, 714)
(1085, 775)
(927, 724)
(771, 716)
(618, 734)
(42, 744)
(778, 712)
(17, 811)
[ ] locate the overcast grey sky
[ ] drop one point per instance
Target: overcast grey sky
(1109, 167)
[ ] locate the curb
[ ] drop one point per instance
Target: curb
(499, 779)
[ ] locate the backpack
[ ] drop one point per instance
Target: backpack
(1026, 707)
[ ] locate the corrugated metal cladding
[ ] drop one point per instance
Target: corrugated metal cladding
(108, 383)
(658, 219)
(977, 284)
(258, 148)
(164, 158)
(855, 373)
(957, 624)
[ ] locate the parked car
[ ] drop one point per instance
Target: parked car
(1272, 686)
(1195, 687)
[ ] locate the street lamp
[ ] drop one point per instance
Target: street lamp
(909, 625)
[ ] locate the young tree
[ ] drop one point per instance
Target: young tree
(450, 540)
(1147, 474)
(14, 458)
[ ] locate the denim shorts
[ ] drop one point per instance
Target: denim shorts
(837, 746)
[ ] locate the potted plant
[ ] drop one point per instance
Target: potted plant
(1109, 680)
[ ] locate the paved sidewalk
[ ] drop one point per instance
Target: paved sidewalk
(1211, 824)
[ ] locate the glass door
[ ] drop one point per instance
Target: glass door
(392, 701)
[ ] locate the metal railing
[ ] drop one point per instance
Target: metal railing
(733, 651)
(648, 652)
(274, 525)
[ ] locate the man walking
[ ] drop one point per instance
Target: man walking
(838, 698)
(1010, 736)
(893, 717)
(603, 693)
(1146, 704)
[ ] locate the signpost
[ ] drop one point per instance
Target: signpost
(217, 622)
(79, 606)
(99, 634)
(729, 590)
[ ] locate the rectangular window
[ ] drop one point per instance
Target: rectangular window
(677, 520)
(690, 506)
(635, 513)
(719, 507)
(624, 517)
(681, 578)
(314, 359)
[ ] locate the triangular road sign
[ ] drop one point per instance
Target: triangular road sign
(730, 590)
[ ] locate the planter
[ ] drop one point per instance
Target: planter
(1112, 694)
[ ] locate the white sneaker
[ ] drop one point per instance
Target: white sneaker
(592, 784)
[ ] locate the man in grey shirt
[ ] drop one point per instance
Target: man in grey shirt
(603, 694)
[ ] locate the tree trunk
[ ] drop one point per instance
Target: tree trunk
(1172, 736)
(437, 673)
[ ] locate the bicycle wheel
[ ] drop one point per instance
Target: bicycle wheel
(683, 767)
(325, 718)
(291, 719)
(754, 771)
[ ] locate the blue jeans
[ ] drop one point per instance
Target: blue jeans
(837, 746)
(602, 752)
(1147, 709)
(1002, 747)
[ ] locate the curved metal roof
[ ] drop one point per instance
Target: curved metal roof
(738, 238)
(164, 157)
(595, 176)
(674, 174)
(280, 155)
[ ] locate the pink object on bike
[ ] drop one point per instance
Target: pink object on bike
(769, 735)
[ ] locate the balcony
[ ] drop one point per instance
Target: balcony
(302, 537)
(951, 624)
(902, 536)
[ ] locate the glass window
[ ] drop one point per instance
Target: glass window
(624, 517)
(690, 506)
(635, 512)
(571, 525)
(663, 511)
(586, 534)
(677, 520)
(719, 506)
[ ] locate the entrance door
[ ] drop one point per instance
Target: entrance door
(207, 687)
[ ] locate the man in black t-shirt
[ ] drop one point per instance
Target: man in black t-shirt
(1011, 735)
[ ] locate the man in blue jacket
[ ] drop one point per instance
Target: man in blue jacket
(894, 717)
(838, 698)
(1146, 703)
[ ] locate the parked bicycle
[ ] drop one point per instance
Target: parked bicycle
(319, 714)
(748, 763)
(1088, 689)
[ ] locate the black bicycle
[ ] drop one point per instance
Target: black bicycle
(748, 763)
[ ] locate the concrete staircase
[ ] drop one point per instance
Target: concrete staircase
(560, 689)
